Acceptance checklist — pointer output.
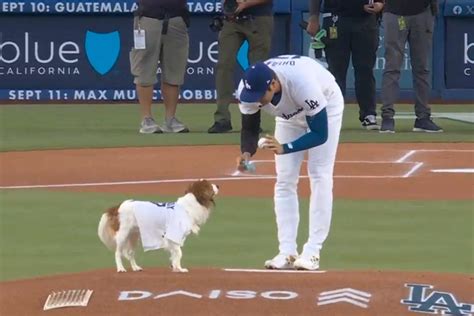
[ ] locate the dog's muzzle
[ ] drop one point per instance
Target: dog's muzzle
(215, 187)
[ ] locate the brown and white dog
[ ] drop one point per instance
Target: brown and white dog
(156, 225)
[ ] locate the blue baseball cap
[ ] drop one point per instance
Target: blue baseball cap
(257, 79)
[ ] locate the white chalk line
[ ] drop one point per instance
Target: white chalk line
(417, 166)
(238, 176)
(406, 156)
(98, 184)
(274, 271)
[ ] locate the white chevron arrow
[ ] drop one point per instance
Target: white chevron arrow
(348, 295)
(356, 297)
(346, 290)
(347, 300)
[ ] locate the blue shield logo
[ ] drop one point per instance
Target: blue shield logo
(102, 50)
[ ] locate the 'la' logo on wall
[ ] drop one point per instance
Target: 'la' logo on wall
(432, 303)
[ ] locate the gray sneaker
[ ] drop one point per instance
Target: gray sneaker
(173, 125)
(149, 126)
(388, 125)
(426, 125)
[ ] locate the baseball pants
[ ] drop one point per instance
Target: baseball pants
(320, 167)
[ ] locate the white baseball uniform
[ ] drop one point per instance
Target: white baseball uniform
(159, 220)
(306, 89)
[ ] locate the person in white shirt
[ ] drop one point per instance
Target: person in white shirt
(308, 105)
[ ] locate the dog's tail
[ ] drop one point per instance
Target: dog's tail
(108, 226)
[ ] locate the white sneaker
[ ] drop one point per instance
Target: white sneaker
(280, 262)
(306, 263)
(173, 125)
(149, 126)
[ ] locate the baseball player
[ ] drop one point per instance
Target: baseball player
(308, 106)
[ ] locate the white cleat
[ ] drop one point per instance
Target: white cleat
(306, 263)
(280, 262)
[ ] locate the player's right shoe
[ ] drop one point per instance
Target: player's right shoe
(280, 262)
(149, 126)
(303, 262)
(173, 125)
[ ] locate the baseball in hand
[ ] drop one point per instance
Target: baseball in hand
(262, 142)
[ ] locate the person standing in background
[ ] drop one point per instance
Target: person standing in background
(412, 21)
(160, 37)
(250, 20)
(352, 30)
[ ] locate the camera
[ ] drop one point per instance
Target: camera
(230, 6)
(217, 23)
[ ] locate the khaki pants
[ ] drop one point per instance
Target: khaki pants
(169, 51)
(258, 32)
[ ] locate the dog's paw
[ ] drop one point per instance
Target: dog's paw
(182, 270)
(120, 270)
(137, 269)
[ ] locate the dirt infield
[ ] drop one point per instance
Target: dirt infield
(217, 292)
(363, 171)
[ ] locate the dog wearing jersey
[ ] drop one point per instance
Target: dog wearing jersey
(156, 225)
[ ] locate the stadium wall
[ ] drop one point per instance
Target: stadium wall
(77, 50)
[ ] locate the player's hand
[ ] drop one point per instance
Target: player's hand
(273, 145)
(313, 25)
(242, 161)
(241, 5)
(374, 8)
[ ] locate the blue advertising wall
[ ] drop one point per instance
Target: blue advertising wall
(78, 50)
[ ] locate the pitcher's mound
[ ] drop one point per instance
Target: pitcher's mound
(246, 292)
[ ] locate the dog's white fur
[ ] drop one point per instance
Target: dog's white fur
(124, 241)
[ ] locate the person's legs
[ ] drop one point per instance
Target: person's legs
(338, 49)
(395, 38)
(259, 35)
(174, 59)
(321, 160)
(364, 43)
(230, 40)
(144, 64)
(145, 98)
(286, 186)
(420, 40)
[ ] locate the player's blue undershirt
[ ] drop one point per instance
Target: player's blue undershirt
(318, 134)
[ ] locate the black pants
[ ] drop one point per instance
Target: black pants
(358, 36)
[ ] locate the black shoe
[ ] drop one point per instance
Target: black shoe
(220, 127)
(388, 125)
(370, 123)
(426, 125)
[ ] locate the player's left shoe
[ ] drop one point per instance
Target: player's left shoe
(370, 123)
(173, 125)
(281, 262)
(310, 263)
(426, 125)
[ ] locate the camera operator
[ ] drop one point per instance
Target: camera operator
(250, 20)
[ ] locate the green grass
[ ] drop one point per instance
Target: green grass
(45, 232)
(25, 127)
